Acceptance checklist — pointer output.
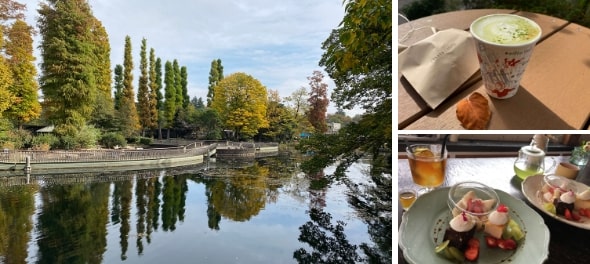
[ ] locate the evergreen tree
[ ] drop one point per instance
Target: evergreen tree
(170, 93)
(19, 49)
(215, 75)
(118, 86)
(184, 84)
(143, 93)
(68, 78)
(154, 90)
(318, 102)
(127, 111)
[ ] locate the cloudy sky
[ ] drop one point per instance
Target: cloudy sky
(277, 42)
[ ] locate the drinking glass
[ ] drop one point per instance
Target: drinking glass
(407, 198)
(428, 165)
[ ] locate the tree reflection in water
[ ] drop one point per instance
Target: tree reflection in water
(75, 214)
(326, 248)
(371, 200)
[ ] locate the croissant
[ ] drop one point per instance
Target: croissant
(474, 112)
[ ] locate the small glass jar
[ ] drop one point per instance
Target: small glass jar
(579, 156)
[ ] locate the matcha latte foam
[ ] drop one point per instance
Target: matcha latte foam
(505, 29)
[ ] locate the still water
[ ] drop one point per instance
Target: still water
(264, 211)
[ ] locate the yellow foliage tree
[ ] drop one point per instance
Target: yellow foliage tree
(241, 101)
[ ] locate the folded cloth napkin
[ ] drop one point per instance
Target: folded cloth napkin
(438, 65)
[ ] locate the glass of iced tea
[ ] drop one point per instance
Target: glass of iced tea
(407, 198)
(428, 165)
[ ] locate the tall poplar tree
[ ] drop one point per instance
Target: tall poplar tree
(177, 85)
(19, 49)
(143, 91)
(68, 78)
(127, 110)
(170, 94)
(215, 75)
(154, 90)
(184, 84)
(118, 86)
(318, 102)
(160, 98)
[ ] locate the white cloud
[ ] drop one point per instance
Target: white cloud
(277, 42)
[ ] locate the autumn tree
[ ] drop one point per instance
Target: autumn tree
(154, 88)
(6, 97)
(240, 100)
(170, 94)
(143, 92)
(281, 120)
(102, 114)
(69, 64)
(19, 50)
(10, 10)
(318, 102)
(215, 75)
(127, 110)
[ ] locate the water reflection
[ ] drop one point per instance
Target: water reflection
(251, 213)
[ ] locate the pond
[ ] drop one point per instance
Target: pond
(264, 211)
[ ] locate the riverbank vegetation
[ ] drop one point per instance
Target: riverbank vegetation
(85, 101)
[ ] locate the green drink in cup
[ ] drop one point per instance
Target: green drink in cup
(504, 45)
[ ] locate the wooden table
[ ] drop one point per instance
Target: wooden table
(554, 92)
(567, 244)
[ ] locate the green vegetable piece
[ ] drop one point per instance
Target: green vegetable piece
(441, 247)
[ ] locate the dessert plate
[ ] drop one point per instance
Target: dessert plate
(531, 188)
(424, 224)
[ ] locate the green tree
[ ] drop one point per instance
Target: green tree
(184, 86)
(155, 93)
(177, 85)
(127, 113)
(198, 102)
(339, 117)
(68, 64)
(170, 93)
(210, 124)
(215, 75)
(240, 99)
(318, 102)
(143, 92)
(118, 86)
(19, 49)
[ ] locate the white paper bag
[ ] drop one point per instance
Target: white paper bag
(438, 65)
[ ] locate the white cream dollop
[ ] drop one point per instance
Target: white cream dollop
(462, 223)
(498, 218)
(585, 195)
(568, 197)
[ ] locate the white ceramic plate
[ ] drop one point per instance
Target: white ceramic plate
(531, 188)
(424, 224)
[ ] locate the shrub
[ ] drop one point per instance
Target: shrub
(112, 139)
(145, 141)
(19, 138)
(87, 137)
(48, 141)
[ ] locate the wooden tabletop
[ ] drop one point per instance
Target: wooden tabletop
(554, 92)
(567, 244)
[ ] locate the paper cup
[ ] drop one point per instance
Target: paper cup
(504, 44)
(567, 170)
